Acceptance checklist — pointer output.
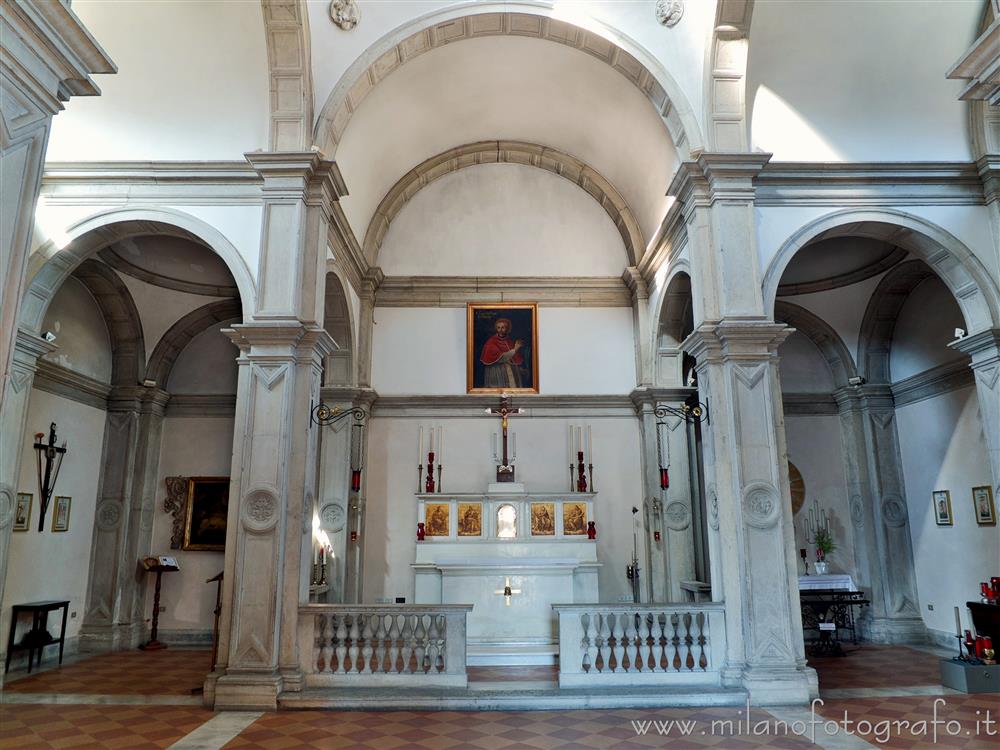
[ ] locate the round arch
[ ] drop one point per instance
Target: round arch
(338, 321)
(674, 318)
(506, 152)
(962, 272)
(179, 335)
(531, 19)
(821, 333)
(49, 266)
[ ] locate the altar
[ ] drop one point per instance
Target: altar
(512, 556)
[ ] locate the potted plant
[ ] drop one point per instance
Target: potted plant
(824, 546)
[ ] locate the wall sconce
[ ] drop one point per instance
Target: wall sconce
(47, 477)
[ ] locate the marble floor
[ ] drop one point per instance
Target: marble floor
(887, 696)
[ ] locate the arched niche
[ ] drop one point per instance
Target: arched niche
(675, 323)
(338, 321)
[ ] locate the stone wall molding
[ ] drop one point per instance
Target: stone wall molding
(547, 291)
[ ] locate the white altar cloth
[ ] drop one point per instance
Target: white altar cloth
(835, 581)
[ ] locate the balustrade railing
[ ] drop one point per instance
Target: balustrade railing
(386, 645)
(607, 644)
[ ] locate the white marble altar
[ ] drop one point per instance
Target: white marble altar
(540, 570)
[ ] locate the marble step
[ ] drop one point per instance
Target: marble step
(484, 655)
(510, 696)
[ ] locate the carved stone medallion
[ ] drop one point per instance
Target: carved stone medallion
(669, 12)
(109, 515)
(893, 511)
(174, 505)
(260, 510)
(713, 507)
(332, 517)
(6, 507)
(345, 13)
(760, 505)
(857, 511)
(677, 515)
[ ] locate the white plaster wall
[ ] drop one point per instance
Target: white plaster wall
(192, 83)
(815, 447)
(867, 82)
(206, 365)
(942, 448)
(924, 327)
(542, 464)
(581, 350)
(191, 447)
(502, 220)
(51, 565)
(81, 334)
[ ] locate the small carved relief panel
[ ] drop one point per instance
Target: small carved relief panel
(174, 506)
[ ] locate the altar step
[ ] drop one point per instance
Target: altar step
(482, 655)
(494, 696)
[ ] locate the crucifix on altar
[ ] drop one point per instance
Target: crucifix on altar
(505, 465)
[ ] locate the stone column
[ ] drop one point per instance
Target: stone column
(735, 347)
(641, 324)
(984, 348)
(13, 421)
(370, 283)
(883, 547)
(123, 522)
(48, 57)
(668, 511)
(275, 443)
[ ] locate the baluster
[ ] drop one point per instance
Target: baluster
(378, 643)
(352, 650)
(367, 632)
(341, 643)
(688, 641)
(650, 654)
(319, 626)
(430, 655)
(618, 631)
(628, 642)
(702, 660)
(675, 642)
(662, 660)
(393, 644)
(420, 646)
(406, 636)
(590, 642)
(442, 642)
(603, 644)
(327, 638)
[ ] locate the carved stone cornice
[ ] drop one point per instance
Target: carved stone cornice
(983, 347)
(868, 396)
(933, 382)
(809, 404)
(298, 174)
(735, 340)
(202, 405)
(138, 398)
(647, 398)
(728, 177)
(29, 346)
(358, 397)
(281, 339)
(989, 172)
(61, 381)
(456, 291)
(980, 66)
(472, 405)
(635, 283)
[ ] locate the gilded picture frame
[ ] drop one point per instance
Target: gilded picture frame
(543, 519)
(501, 347)
(941, 505)
(470, 519)
(205, 514)
(574, 519)
(437, 519)
(982, 503)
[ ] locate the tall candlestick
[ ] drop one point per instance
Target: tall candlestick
(958, 623)
(514, 446)
(420, 445)
(493, 443)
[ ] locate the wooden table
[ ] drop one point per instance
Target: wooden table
(38, 637)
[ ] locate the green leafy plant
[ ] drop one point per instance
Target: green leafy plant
(824, 543)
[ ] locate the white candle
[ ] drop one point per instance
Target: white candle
(431, 431)
(590, 445)
(958, 623)
(579, 440)
(569, 440)
(514, 442)
(440, 444)
(420, 446)
(493, 442)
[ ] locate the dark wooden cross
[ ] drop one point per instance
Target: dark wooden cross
(47, 477)
(505, 471)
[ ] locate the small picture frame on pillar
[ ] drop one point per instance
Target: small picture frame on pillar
(941, 501)
(982, 501)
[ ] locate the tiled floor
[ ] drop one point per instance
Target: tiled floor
(878, 678)
(170, 672)
(31, 727)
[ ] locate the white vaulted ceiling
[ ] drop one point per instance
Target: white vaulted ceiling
(516, 88)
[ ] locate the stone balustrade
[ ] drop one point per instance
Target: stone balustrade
(402, 645)
(636, 644)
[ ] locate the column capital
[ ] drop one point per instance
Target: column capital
(298, 173)
(371, 280)
(712, 177)
(748, 340)
(138, 398)
(635, 283)
(30, 346)
(280, 337)
(646, 399)
(983, 347)
(362, 398)
(867, 396)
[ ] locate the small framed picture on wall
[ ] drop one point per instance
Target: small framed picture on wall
(22, 511)
(982, 500)
(60, 516)
(942, 508)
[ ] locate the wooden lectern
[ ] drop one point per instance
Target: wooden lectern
(158, 565)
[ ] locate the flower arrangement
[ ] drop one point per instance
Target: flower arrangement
(824, 543)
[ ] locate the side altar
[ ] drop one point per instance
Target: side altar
(511, 554)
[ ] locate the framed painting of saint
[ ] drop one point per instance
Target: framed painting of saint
(942, 508)
(470, 519)
(543, 519)
(502, 348)
(982, 499)
(574, 519)
(205, 514)
(438, 519)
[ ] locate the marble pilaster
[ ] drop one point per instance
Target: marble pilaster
(984, 349)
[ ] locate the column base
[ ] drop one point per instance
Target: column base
(776, 686)
(103, 638)
(247, 692)
(896, 631)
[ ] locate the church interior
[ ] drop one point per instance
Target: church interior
(525, 374)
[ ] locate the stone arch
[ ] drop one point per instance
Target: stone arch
(128, 351)
(338, 320)
(471, 20)
(505, 152)
(875, 337)
(817, 330)
(674, 321)
(49, 265)
(286, 31)
(726, 77)
(179, 335)
(961, 271)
